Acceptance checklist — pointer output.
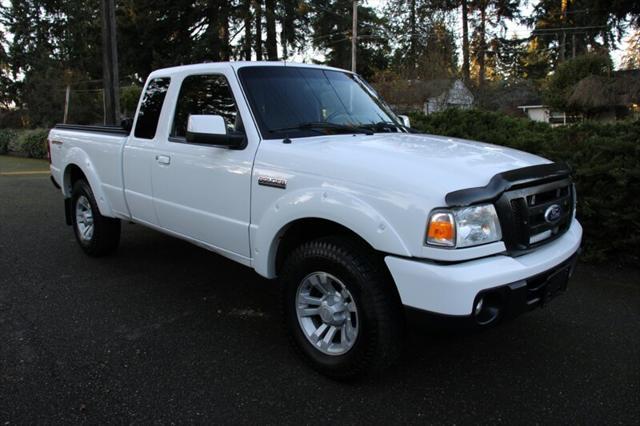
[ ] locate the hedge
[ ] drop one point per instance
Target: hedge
(6, 137)
(29, 143)
(605, 159)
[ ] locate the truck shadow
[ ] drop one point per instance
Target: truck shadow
(241, 302)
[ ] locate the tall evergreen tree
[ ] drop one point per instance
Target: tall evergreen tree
(631, 58)
(489, 16)
(294, 22)
(332, 25)
(424, 43)
(408, 23)
(572, 28)
(7, 94)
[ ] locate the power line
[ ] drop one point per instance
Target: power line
(568, 28)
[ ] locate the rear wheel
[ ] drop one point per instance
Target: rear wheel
(97, 235)
(341, 309)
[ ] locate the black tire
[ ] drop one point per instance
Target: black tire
(380, 338)
(106, 231)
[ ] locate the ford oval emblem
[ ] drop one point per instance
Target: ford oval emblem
(552, 213)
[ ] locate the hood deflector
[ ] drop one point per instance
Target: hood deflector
(505, 181)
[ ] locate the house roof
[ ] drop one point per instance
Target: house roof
(601, 92)
(526, 107)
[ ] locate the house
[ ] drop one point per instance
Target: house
(453, 94)
(544, 114)
(608, 98)
(601, 98)
(538, 113)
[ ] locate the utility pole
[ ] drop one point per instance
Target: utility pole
(354, 35)
(110, 79)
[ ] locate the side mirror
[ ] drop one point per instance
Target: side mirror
(405, 120)
(212, 130)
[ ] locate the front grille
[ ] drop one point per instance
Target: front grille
(522, 214)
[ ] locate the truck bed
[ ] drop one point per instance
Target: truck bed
(99, 150)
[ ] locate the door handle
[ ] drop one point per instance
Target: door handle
(163, 159)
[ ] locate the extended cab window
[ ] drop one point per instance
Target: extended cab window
(150, 109)
(205, 95)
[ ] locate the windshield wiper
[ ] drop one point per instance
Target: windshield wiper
(319, 125)
(383, 126)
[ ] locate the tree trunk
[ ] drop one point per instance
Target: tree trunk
(246, 47)
(413, 60)
(287, 21)
(465, 41)
(272, 43)
(212, 34)
(223, 34)
(283, 43)
(482, 48)
(258, 47)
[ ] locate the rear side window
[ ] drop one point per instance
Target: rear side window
(150, 109)
(205, 95)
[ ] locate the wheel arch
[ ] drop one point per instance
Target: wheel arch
(299, 217)
(79, 166)
(301, 230)
(72, 173)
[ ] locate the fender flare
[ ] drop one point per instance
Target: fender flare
(319, 203)
(79, 158)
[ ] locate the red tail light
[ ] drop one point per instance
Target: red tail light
(49, 150)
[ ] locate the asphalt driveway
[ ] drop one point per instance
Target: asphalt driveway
(166, 332)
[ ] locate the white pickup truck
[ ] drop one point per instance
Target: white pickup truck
(304, 174)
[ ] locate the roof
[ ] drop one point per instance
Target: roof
(211, 66)
(532, 106)
(594, 92)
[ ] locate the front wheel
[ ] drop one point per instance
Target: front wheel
(341, 309)
(97, 235)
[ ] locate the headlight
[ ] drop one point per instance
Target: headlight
(464, 227)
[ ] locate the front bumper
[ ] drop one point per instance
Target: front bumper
(453, 289)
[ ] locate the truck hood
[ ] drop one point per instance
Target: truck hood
(413, 163)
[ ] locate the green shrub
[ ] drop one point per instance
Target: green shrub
(605, 159)
(129, 96)
(32, 143)
(6, 137)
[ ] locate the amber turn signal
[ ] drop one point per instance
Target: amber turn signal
(441, 230)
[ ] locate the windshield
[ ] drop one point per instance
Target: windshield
(300, 102)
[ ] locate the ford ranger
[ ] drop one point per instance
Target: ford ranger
(303, 173)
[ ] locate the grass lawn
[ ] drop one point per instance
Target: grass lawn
(9, 164)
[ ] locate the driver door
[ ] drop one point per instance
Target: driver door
(203, 191)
